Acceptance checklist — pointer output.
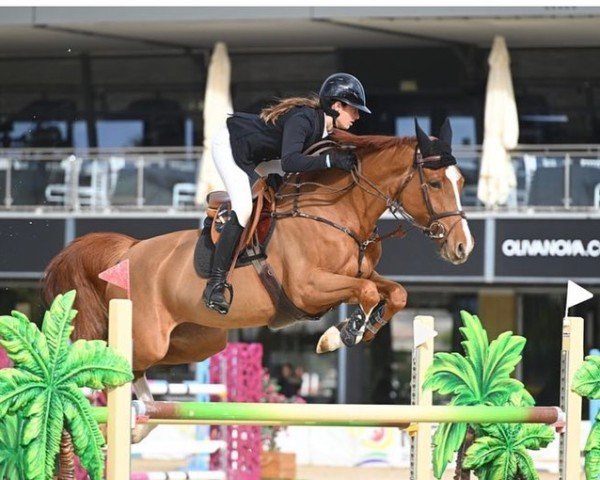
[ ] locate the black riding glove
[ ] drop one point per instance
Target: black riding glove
(342, 159)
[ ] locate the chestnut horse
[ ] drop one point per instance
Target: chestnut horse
(316, 262)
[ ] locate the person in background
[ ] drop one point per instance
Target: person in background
(296, 380)
(285, 381)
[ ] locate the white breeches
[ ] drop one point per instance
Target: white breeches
(235, 179)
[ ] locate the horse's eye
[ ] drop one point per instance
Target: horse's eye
(435, 184)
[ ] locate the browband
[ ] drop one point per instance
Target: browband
(435, 162)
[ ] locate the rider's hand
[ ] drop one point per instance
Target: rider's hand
(343, 159)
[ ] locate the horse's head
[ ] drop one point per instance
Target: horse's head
(431, 195)
(418, 180)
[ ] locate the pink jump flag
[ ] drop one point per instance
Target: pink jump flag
(118, 275)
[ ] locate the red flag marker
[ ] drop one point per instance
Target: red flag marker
(118, 275)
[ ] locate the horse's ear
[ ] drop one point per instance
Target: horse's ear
(422, 137)
(446, 132)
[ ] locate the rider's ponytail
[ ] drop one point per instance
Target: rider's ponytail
(272, 113)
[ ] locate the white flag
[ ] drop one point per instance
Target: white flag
(422, 333)
(576, 295)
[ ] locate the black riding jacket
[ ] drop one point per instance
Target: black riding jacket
(253, 141)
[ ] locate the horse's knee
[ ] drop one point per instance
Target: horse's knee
(397, 298)
(369, 295)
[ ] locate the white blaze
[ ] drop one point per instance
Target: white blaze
(453, 175)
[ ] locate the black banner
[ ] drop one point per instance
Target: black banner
(526, 250)
(28, 244)
(140, 228)
(552, 248)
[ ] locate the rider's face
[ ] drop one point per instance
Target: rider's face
(347, 115)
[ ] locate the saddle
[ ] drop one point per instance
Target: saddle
(263, 200)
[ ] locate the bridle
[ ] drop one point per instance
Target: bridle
(434, 229)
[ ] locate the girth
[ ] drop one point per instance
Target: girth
(286, 313)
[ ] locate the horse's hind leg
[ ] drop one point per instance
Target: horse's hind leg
(143, 393)
(192, 343)
(189, 343)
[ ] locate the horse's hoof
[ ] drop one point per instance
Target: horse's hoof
(330, 341)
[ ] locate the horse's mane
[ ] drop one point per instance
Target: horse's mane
(371, 143)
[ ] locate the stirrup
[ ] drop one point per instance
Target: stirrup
(222, 308)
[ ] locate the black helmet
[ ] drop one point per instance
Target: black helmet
(345, 88)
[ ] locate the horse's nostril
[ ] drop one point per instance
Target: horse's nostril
(460, 250)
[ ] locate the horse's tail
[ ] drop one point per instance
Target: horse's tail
(77, 267)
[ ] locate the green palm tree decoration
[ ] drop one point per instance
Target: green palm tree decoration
(12, 454)
(501, 452)
(481, 377)
(587, 384)
(44, 387)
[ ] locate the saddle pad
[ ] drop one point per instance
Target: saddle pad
(205, 248)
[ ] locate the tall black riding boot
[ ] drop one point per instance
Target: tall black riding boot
(214, 293)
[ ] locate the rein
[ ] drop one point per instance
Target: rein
(434, 229)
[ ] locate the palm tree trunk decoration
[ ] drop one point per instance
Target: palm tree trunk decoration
(462, 473)
(66, 461)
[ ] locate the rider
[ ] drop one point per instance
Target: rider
(284, 131)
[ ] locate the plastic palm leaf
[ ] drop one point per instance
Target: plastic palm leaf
(11, 452)
(447, 439)
(451, 373)
(483, 375)
(475, 343)
(501, 452)
(43, 386)
(485, 456)
(503, 356)
(592, 452)
(520, 398)
(586, 383)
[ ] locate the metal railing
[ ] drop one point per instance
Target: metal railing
(549, 177)
(99, 180)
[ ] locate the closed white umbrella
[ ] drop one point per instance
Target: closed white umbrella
(217, 105)
(501, 130)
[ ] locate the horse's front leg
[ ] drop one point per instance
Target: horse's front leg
(352, 330)
(395, 297)
(358, 328)
(328, 288)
